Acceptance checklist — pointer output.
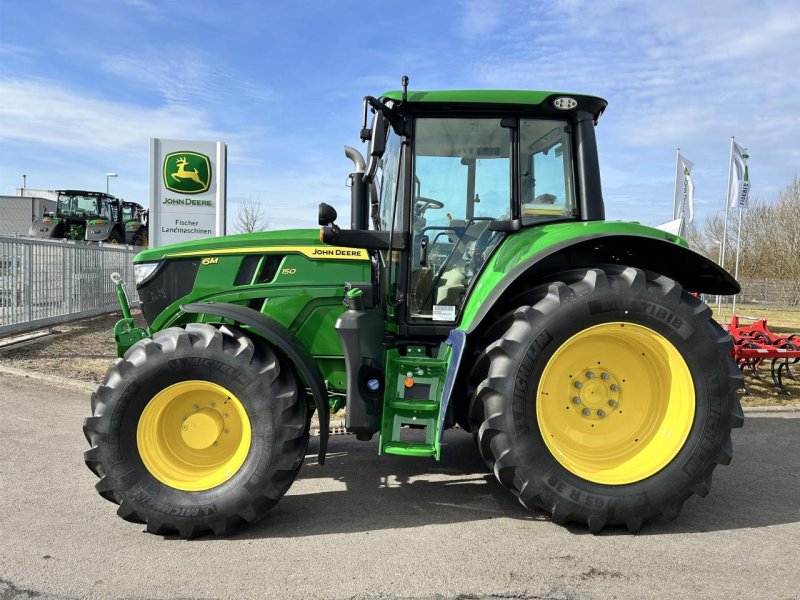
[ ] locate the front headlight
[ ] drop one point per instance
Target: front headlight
(144, 271)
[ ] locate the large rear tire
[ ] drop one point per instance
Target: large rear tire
(607, 399)
(197, 429)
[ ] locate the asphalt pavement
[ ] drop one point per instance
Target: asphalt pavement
(365, 526)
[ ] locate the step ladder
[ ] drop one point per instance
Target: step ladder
(414, 386)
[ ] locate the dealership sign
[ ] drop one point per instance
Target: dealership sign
(187, 190)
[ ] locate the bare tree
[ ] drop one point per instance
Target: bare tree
(770, 244)
(250, 217)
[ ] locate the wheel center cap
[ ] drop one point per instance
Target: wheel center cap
(201, 429)
(594, 394)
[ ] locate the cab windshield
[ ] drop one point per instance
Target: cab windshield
(78, 205)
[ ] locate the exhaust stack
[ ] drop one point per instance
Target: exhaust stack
(359, 198)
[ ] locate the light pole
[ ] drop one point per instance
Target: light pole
(108, 176)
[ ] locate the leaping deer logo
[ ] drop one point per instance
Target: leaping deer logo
(182, 173)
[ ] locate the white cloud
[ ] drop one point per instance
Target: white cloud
(180, 75)
(48, 113)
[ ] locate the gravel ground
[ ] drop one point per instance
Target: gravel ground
(83, 350)
(80, 350)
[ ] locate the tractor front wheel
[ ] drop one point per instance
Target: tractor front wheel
(197, 429)
(609, 399)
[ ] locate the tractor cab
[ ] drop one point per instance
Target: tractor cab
(450, 174)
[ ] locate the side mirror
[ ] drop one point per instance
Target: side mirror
(327, 214)
(377, 145)
(377, 142)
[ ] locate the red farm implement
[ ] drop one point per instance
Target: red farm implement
(755, 343)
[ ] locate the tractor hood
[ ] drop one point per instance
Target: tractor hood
(305, 241)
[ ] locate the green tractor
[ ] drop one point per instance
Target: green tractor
(478, 285)
(81, 215)
(134, 217)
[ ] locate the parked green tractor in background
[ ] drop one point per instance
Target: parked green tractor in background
(482, 287)
(81, 215)
(134, 218)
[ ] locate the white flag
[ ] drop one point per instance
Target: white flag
(683, 203)
(740, 182)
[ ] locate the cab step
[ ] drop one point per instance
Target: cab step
(412, 402)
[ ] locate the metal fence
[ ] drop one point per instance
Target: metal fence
(43, 282)
(781, 294)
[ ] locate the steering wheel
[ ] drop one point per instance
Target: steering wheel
(421, 204)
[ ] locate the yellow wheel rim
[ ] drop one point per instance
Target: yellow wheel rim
(615, 403)
(193, 435)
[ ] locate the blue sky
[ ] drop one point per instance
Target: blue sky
(85, 84)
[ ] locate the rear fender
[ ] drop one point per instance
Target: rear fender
(660, 253)
(284, 341)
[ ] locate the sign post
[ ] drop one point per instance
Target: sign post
(188, 184)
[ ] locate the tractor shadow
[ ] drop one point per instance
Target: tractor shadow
(358, 491)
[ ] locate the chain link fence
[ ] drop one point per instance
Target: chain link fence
(777, 294)
(44, 282)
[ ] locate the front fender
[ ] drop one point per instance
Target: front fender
(286, 342)
(98, 232)
(535, 253)
(47, 227)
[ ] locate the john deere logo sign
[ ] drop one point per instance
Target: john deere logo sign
(187, 172)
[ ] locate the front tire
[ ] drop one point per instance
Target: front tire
(197, 429)
(608, 400)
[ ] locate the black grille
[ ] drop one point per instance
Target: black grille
(172, 281)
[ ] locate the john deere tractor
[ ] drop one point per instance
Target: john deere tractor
(81, 215)
(478, 285)
(134, 217)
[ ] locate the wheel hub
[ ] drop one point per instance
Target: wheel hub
(596, 392)
(201, 429)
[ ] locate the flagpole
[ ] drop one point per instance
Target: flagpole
(738, 245)
(721, 260)
(677, 209)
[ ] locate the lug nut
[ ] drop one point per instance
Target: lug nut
(614, 387)
(576, 400)
(213, 404)
(578, 384)
(601, 413)
(613, 403)
(589, 375)
(196, 406)
(604, 376)
(586, 412)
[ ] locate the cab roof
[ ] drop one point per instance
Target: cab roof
(516, 98)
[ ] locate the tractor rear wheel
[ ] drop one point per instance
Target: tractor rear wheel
(197, 429)
(608, 399)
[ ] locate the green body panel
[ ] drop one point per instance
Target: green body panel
(517, 248)
(305, 294)
(476, 96)
(248, 242)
